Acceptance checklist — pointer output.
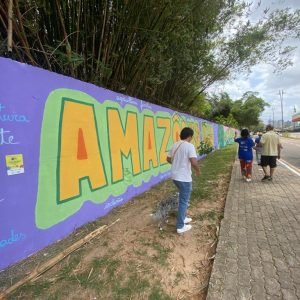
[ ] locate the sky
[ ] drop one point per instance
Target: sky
(262, 78)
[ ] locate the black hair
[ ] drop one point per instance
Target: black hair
(244, 133)
(186, 132)
(269, 127)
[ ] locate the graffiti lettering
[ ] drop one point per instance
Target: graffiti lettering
(79, 150)
(101, 150)
(144, 105)
(14, 237)
(165, 124)
(126, 100)
(113, 203)
(123, 142)
(149, 142)
(6, 139)
(14, 118)
(208, 134)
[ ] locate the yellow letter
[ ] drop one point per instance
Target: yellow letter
(196, 135)
(149, 143)
(166, 125)
(80, 155)
(123, 142)
(176, 131)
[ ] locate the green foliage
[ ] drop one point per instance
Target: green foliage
(221, 105)
(204, 148)
(228, 121)
(168, 52)
(244, 112)
(247, 110)
(259, 127)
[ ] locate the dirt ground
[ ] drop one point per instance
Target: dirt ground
(133, 259)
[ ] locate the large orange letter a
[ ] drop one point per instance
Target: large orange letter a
(79, 150)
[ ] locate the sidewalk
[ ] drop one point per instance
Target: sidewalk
(258, 254)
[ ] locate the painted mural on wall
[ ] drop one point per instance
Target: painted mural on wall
(70, 152)
(208, 133)
(225, 136)
(99, 149)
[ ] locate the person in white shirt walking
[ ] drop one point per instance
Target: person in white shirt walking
(183, 157)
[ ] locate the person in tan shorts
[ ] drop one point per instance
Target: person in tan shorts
(271, 148)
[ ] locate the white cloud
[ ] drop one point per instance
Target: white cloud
(262, 78)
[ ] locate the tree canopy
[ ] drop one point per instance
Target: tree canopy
(243, 112)
(165, 51)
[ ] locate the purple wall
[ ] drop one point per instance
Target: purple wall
(23, 93)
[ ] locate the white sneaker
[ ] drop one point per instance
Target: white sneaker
(248, 179)
(184, 228)
(187, 220)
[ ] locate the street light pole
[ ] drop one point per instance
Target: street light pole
(273, 108)
(281, 99)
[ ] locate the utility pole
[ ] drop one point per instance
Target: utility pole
(294, 113)
(273, 108)
(281, 99)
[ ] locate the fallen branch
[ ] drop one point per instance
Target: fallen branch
(53, 261)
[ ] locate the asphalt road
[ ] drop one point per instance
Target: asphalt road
(291, 151)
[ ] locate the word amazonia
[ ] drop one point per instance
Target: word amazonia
(100, 149)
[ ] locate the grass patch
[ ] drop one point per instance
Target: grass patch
(179, 276)
(140, 252)
(69, 266)
(158, 294)
(211, 215)
(110, 265)
(161, 253)
(55, 296)
(34, 289)
(97, 275)
(216, 164)
(133, 286)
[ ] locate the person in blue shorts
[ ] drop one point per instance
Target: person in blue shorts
(245, 153)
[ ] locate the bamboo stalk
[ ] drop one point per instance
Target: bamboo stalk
(10, 27)
(68, 46)
(53, 261)
(20, 33)
(101, 39)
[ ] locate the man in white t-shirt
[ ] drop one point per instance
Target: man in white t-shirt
(183, 157)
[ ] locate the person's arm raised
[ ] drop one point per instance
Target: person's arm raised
(235, 135)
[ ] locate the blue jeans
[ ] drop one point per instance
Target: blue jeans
(185, 189)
